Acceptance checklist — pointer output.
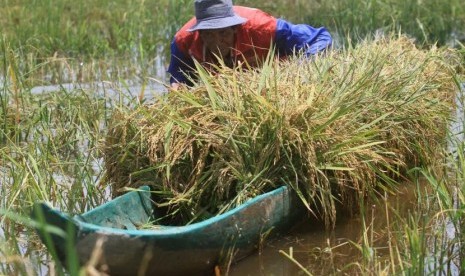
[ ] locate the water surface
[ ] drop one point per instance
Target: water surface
(322, 251)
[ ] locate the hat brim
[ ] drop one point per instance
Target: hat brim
(217, 23)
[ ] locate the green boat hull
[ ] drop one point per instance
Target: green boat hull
(166, 250)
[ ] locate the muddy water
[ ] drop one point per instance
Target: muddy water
(321, 251)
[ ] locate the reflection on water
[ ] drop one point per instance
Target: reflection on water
(324, 252)
(458, 124)
(127, 89)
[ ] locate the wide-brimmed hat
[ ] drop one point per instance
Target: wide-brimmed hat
(215, 14)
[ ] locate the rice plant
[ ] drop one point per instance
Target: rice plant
(335, 128)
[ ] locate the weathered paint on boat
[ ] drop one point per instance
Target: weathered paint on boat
(167, 250)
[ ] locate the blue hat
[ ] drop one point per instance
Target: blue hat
(215, 14)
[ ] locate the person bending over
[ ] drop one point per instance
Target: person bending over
(237, 34)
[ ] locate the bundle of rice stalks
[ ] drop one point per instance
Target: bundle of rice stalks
(334, 128)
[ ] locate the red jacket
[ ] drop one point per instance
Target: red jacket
(254, 39)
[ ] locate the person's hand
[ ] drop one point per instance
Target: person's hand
(175, 86)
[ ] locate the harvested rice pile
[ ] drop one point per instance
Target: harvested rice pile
(334, 128)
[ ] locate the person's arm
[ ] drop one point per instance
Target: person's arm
(291, 38)
(180, 65)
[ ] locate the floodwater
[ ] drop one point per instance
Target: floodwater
(321, 251)
(129, 89)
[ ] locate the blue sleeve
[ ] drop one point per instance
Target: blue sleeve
(301, 37)
(180, 65)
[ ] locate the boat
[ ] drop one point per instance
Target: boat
(194, 249)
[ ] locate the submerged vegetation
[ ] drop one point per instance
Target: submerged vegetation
(354, 122)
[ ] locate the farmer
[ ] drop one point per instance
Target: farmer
(236, 35)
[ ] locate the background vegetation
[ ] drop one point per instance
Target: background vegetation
(43, 33)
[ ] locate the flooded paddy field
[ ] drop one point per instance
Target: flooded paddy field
(66, 67)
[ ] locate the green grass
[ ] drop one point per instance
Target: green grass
(47, 139)
(89, 28)
(430, 21)
(64, 41)
(141, 30)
